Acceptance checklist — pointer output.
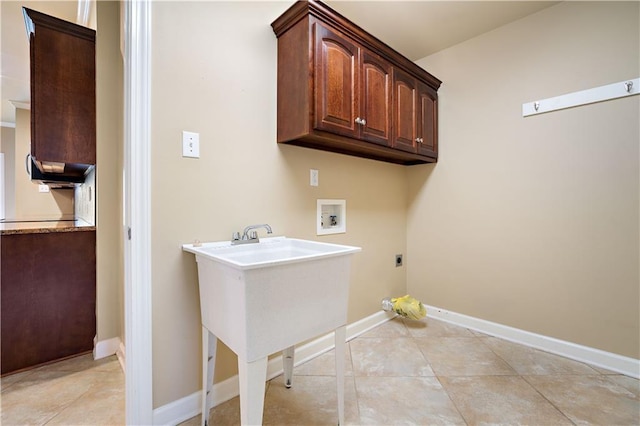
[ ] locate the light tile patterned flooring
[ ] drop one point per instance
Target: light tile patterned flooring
(77, 391)
(400, 373)
(432, 373)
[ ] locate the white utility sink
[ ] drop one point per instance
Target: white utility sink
(265, 297)
(272, 251)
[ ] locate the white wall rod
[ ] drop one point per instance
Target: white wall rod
(583, 97)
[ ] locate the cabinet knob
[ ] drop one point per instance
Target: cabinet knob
(418, 140)
(361, 121)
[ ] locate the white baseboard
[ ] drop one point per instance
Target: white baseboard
(121, 357)
(189, 406)
(607, 360)
(105, 348)
(185, 408)
(179, 410)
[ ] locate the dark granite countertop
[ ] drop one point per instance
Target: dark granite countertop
(43, 227)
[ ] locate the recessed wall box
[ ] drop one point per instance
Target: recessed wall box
(331, 217)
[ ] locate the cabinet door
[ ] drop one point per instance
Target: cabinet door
(62, 97)
(427, 121)
(336, 82)
(404, 111)
(375, 100)
(48, 304)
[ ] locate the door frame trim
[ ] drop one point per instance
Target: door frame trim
(137, 214)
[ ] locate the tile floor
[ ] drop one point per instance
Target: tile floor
(430, 372)
(77, 391)
(401, 373)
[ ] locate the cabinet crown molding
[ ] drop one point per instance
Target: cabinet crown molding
(33, 16)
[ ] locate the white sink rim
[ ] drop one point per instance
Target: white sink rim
(272, 251)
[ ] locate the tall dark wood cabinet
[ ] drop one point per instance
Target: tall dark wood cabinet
(342, 90)
(63, 90)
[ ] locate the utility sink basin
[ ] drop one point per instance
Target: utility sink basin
(269, 252)
(265, 297)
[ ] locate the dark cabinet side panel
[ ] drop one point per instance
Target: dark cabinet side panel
(294, 91)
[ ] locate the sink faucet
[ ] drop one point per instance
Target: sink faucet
(249, 234)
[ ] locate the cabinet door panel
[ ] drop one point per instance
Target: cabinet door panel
(404, 114)
(48, 303)
(428, 121)
(336, 83)
(376, 99)
(63, 97)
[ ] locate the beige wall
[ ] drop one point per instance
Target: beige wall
(214, 72)
(530, 222)
(29, 202)
(109, 243)
(8, 148)
(533, 222)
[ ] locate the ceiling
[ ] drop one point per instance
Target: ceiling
(419, 28)
(414, 28)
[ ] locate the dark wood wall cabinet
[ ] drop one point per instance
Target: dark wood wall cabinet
(342, 90)
(63, 92)
(48, 297)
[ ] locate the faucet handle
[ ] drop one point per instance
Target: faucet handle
(235, 236)
(253, 235)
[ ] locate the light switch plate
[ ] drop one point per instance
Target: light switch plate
(313, 177)
(190, 144)
(43, 188)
